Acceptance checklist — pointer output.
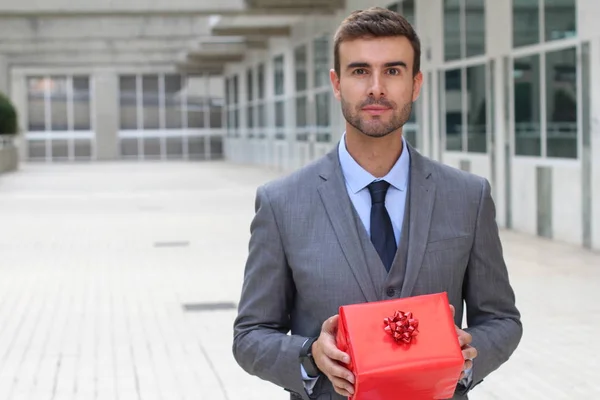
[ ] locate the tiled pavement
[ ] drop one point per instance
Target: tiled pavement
(96, 262)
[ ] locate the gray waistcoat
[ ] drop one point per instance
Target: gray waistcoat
(386, 283)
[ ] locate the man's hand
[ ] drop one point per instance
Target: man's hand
(328, 357)
(469, 352)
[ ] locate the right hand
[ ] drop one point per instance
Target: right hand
(328, 358)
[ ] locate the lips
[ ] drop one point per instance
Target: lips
(375, 110)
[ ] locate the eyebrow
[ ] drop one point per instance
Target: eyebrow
(386, 65)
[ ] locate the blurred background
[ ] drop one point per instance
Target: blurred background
(133, 136)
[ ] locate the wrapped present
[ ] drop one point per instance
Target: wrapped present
(401, 349)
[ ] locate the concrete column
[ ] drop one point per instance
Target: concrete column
(595, 142)
(4, 79)
(106, 113)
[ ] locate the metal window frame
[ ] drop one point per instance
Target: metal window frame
(70, 135)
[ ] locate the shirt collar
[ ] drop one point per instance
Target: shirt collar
(358, 178)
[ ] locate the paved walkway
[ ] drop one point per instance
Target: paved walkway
(97, 262)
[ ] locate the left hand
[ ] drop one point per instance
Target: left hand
(469, 352)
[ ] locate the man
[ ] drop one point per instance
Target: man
(372, 220)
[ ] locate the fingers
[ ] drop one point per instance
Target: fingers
(342, 387)
(464, 338)
(468, 365)
(330, 325)
(328, 358)
(332, 352)
(341, 378)
(469, 352)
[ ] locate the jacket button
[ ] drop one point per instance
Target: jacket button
(391, 292)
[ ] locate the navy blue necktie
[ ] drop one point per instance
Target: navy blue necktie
(382, 232)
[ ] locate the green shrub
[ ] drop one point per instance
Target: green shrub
(8, 116)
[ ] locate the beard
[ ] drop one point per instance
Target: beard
(376, 127)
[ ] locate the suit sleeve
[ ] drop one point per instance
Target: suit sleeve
(492, 317)
(261, 345)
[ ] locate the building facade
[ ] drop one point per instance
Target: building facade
(511, 92)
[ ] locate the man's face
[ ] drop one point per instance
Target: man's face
(376, 85)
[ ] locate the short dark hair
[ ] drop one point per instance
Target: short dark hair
(375, 22)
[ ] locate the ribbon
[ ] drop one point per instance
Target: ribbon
(402, 326)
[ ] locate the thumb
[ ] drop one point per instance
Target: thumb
(331, 324)
(453, 311)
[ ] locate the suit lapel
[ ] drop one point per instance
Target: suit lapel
(339, 210)
(421, 198)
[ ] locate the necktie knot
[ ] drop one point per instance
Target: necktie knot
(378, 190)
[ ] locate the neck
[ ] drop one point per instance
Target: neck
(375, 155)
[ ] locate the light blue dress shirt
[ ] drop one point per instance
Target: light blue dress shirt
(357, 181)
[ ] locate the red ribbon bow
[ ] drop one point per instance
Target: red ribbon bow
(402, 326)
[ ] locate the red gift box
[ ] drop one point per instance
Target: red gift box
(423, 362)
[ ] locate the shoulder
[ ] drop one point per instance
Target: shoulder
(297, 184)
(451, 180)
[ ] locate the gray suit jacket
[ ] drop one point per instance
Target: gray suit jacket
(306, 259)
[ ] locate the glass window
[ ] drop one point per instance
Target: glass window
(151, 102)
(408, 11)
(230, 122)
(227, 91)
(280, 114)
(475, 26)
(261, 81)
(236, 90)
(216, 116)
(300, 65)
(59, 120)
(406, 8)
(321, 62)
(410, 129)
(173, 102)
(560, 19)
(250, 117)
(452, 32)
(464, 29)
(249, 85)
(215, 94)
(301, 112)
(476, 110)
(128, 102)
(561, 103)
(82, 111)
(526, 75)
(322, 109)
(262, 116)
(278, 68)
(36, 100)
(196, 99)
(526, 22)
(453, 110)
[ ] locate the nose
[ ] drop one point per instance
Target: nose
(377, 89)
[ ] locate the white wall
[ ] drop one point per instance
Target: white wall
(480, 163)
(567, 222)
(566, 198)
(595, 126)
(127, 6)
(4, 75)
(524, 197)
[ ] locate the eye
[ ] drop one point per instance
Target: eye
(394, 71)
(359, 71)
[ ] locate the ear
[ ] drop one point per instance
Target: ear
(335, 83)
(417, 84)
